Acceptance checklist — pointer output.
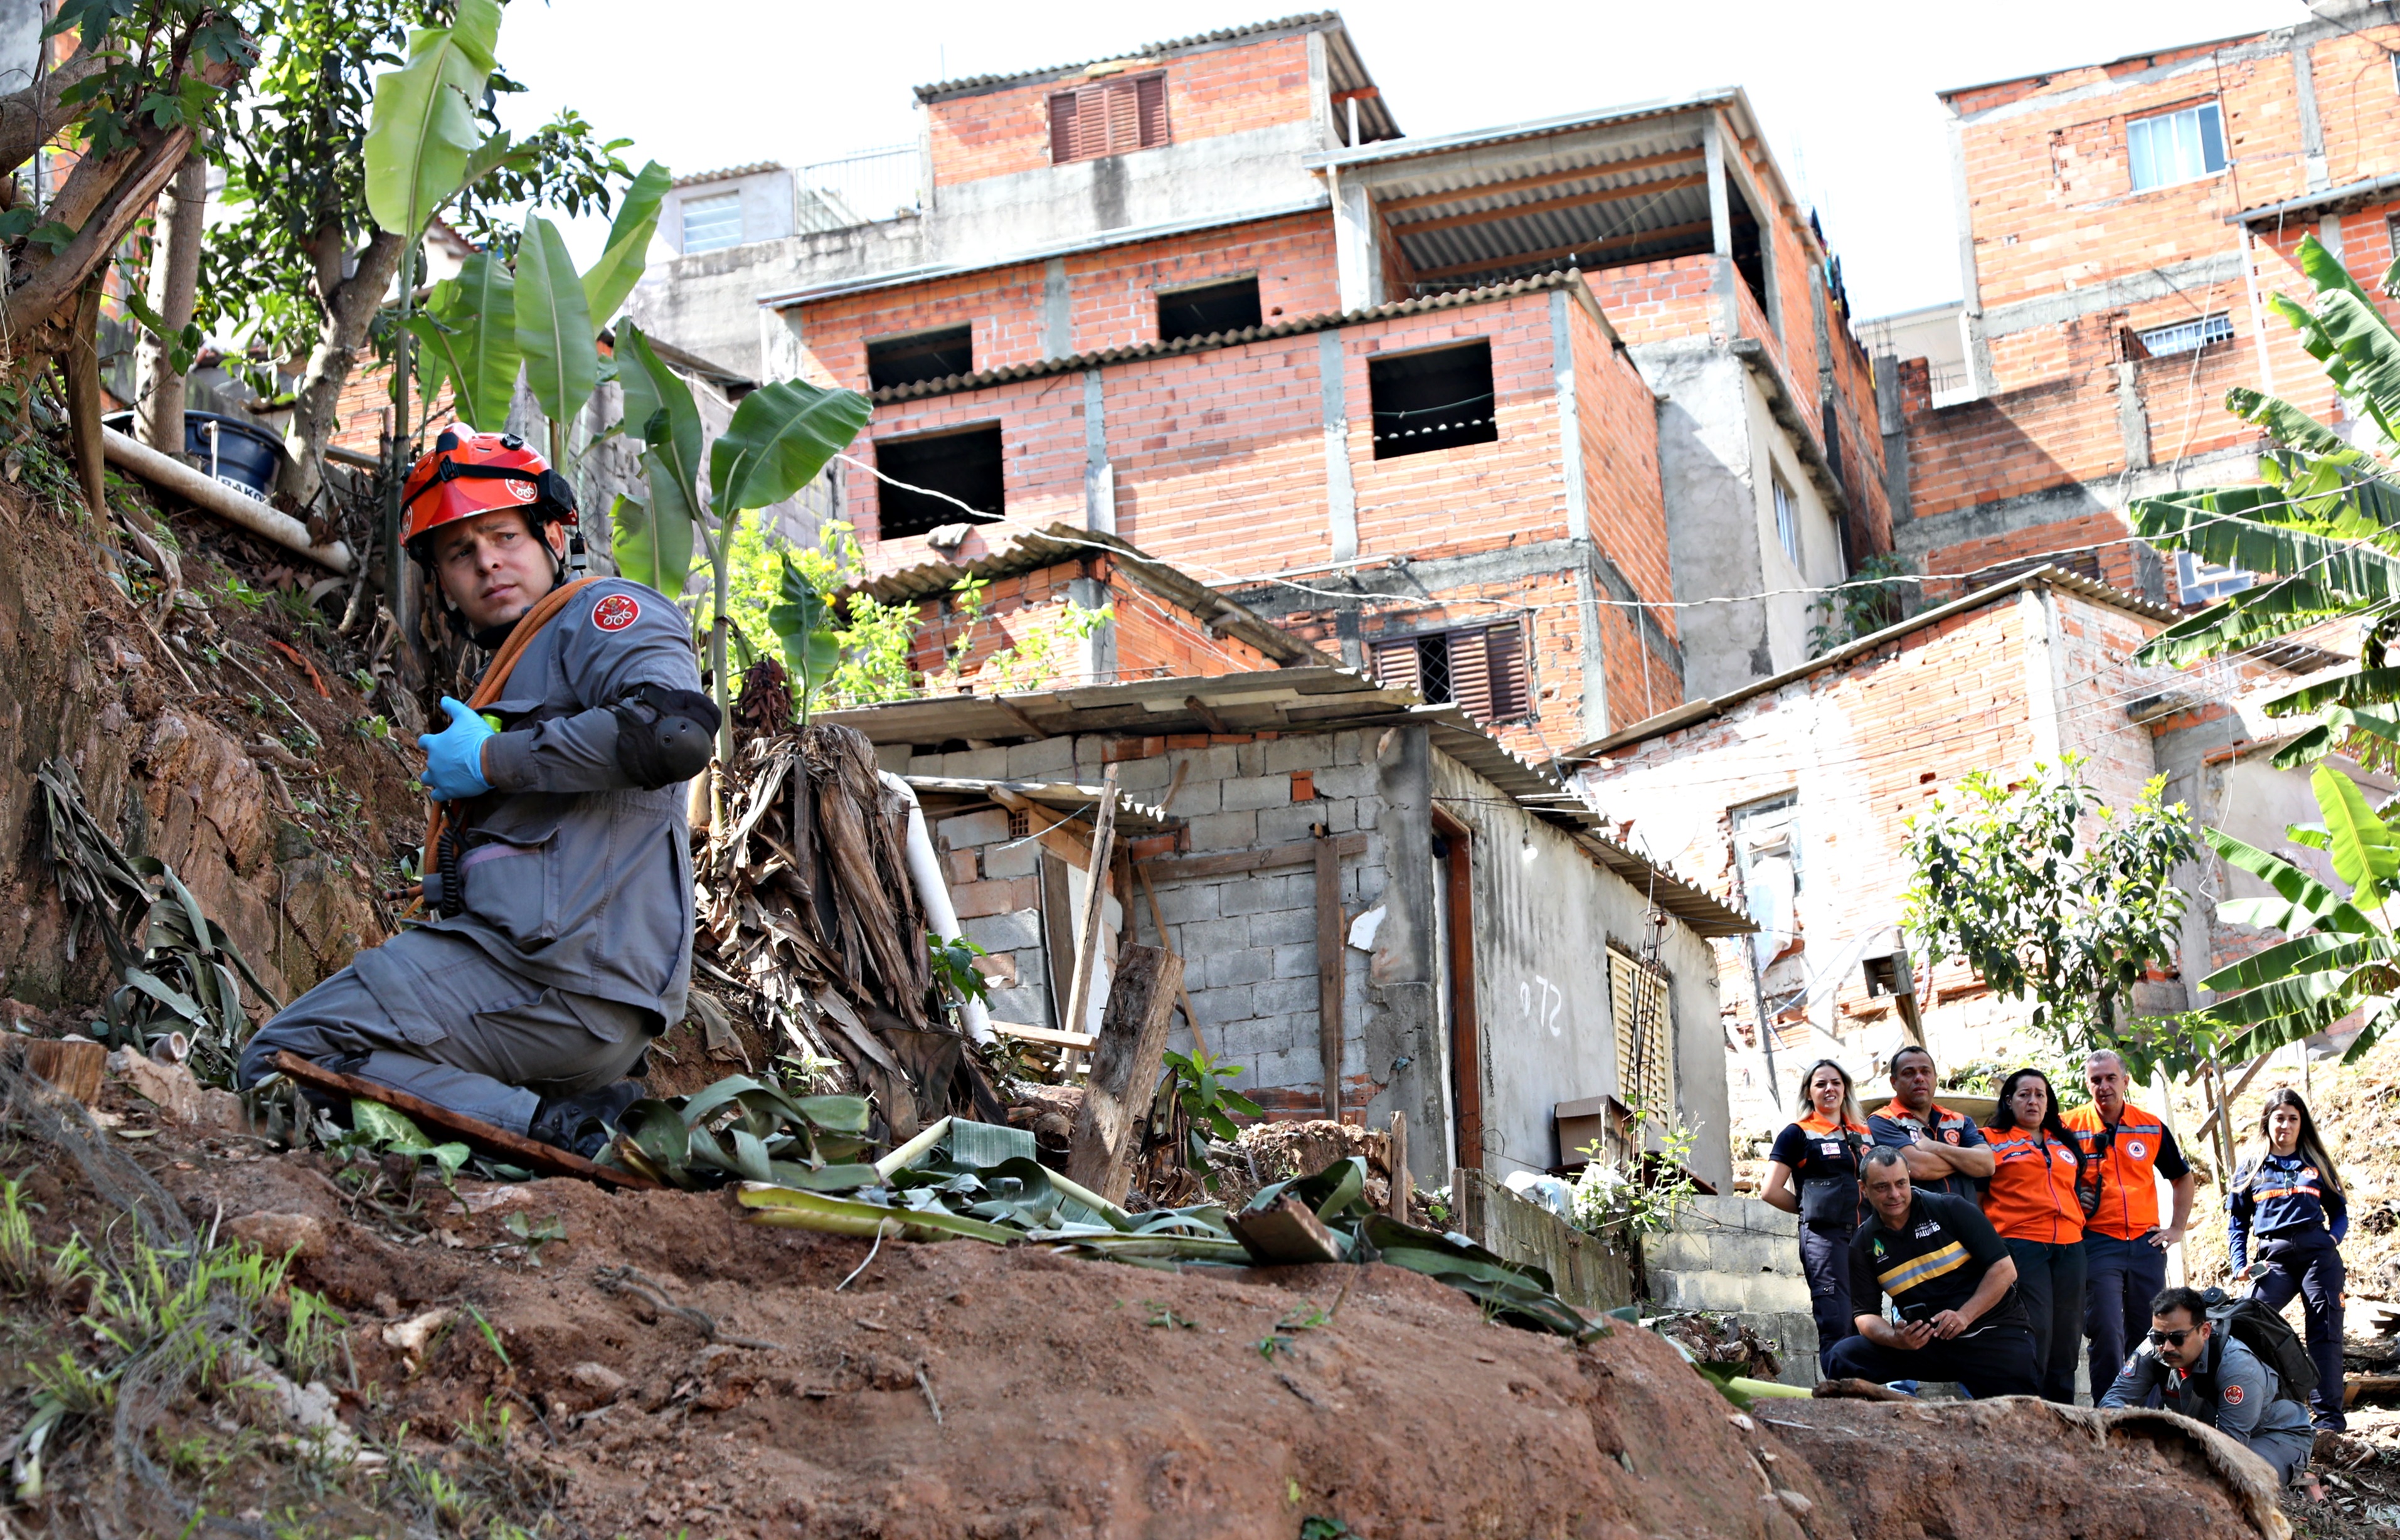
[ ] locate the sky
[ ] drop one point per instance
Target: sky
(1846, 90)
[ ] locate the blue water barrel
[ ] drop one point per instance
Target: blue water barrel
(242, 454)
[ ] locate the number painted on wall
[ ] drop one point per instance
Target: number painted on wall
(1542, 1003)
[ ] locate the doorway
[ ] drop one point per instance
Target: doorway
(1455, 987)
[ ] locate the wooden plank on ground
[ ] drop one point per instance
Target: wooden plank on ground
(1185, 869)
(1403, 1185)
(1096, 900)
(1328, 972)
(516, 1148)
(1124, 1069)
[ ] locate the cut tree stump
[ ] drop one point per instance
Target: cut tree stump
(72, 1068)
(1286, 1233)
(548, 1159)
(1124, 1069)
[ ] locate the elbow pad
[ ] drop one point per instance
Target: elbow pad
(665, 735)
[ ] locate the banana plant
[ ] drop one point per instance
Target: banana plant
(781, 437)
(540, 318)
(803, 622)
(2341, 953)
(2324, 524)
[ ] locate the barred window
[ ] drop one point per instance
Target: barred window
(1479, 668)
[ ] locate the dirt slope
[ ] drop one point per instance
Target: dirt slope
(187, 733)
(1075, 1397)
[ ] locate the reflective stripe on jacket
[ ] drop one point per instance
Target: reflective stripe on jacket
(2032, 1192)
(2129, 1157)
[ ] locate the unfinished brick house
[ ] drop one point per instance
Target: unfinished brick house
(1380, 909)
(2122, 225)
(1470, 413)
(1790, 800)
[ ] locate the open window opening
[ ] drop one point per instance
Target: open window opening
(1480, 668)
(964, 465)
(1231, 306)
(1437, 400)
(919, 357)
(1750, 250)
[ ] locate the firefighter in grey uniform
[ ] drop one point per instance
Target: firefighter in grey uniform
(560, 892)
(2209, 1375)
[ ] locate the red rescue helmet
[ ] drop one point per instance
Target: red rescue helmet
(466, 473)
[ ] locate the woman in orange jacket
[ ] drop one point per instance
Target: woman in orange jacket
(2031, 1201)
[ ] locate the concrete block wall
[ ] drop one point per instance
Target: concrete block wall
(1738, 1256)
(1248, 941)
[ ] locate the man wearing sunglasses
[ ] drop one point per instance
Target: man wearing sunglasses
(2209, 1375)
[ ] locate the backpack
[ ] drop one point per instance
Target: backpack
(2269, 1336)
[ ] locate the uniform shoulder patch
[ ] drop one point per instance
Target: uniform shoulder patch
(2136, 1148)
(2233, 1396)
(616, 611)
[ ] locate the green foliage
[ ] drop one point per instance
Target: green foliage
(1863, 605)
(470, 333)
(620, 268)
(781, 436)
(953, 963)
(390, 1130)
(1642, 1195)
(2341, 954)
(553, 325)
(2050, 895)
(155, 51)
(750, 1130)
(2325, 524)
(423, 126)
(295, 179)
(1197, 1083)
(803, 622)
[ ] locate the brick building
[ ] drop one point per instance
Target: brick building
(1789, 801)
(1472, 413)
(2122, 225)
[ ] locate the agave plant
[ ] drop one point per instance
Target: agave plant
(2324, 522)
(2341, 954)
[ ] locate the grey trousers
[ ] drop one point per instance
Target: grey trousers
(2285, 1451)
(435, 1015)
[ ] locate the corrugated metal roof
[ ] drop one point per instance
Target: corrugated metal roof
(1299, 325)
(727, 173)
(1297, 700)
(1067, 797)
(2347, 199)
(1345, 71)
(1701, 711)
(1025, 549)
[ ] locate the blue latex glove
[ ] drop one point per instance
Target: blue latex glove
(454, 757)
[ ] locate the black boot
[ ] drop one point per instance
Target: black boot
(583, 1125)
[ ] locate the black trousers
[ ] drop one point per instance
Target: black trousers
(2050, 1286)
(1997, 1361)
(2307, 1262)
(1825, 1260)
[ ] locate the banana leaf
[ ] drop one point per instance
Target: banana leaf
(783, 1205)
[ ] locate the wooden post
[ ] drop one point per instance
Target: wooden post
(1402, 1183)
(1158, 923)
(1095, 899)
(1124, 1069)
(1328, 972)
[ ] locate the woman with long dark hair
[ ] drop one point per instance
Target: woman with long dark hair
(2031, 1201)
(1822, 1152)
(2287, 1199)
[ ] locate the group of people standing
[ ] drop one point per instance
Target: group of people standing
(2005, 1248)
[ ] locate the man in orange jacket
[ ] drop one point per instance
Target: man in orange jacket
(2124, 1250)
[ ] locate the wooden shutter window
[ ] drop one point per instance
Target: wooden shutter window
(1109, 119)
(1645, 1033)
(1503, 651)
(1470, 673)
(1395, 662)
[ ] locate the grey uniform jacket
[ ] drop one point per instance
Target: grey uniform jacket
(573, 876)
(2229, 1390)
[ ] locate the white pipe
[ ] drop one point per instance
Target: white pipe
(212, 496)
(925, 870)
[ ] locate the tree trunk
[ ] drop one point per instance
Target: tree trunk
(349, 311)
(84, 403)
(174, 283)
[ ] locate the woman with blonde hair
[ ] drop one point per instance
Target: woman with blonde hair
(2288, 1198)
(1821, 1152)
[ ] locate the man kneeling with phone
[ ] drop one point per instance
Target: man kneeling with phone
(1953, 1282)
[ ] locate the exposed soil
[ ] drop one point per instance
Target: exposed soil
(203, 739)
